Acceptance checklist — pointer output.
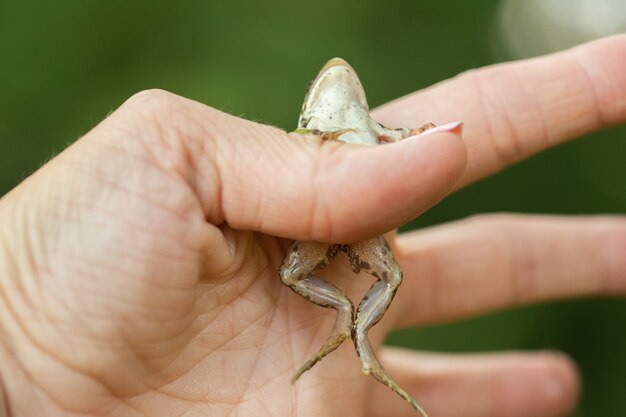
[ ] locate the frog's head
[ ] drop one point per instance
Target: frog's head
(335, 100)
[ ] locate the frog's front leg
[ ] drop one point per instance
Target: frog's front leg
(387, 135)
(302, 260)
(324, 135)
(374, 257)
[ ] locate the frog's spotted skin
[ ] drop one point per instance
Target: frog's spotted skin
(335, 107)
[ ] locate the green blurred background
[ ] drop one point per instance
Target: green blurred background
(64, 65)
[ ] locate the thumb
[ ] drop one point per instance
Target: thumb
(257, 177)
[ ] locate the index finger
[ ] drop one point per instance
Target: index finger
(514, 110)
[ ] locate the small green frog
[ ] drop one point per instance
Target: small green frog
(336, 108)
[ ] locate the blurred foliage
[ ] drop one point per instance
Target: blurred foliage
(66, 64)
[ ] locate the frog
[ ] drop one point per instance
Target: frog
(335, 108)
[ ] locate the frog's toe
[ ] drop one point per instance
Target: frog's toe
(333, 342)
(422, 129)
(382, 376)
(335, 134)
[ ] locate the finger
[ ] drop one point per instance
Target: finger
(517, 109)
(499, 385)
(257, 177)
(496, 261)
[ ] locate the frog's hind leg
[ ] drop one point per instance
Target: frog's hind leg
(374, 257)
(301, 261)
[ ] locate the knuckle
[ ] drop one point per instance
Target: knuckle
(154, 103)
(151, 97)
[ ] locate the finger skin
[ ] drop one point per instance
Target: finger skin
(514, 110)
(513, 384)
(256, 177)
(495, 261)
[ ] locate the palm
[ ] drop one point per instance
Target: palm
(240, 339)
(197, 315)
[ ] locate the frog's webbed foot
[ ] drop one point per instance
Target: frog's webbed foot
(374, 257)
(422, 129)
(296, 271)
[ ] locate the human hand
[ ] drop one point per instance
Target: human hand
(138, 269)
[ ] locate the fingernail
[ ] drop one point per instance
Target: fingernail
(453, 127)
